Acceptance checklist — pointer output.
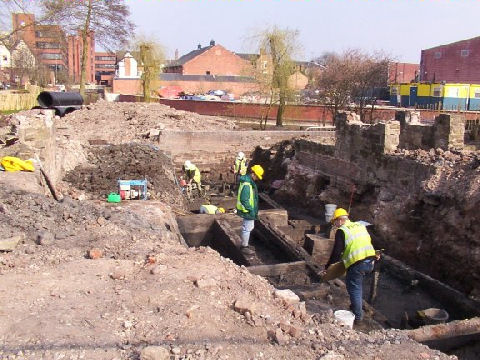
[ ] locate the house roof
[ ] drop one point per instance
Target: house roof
(210, 78)
(476, 38)
(248, 57)
(187, 57)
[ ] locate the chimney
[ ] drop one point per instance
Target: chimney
(199, 46)
(212, 42)
(176, 54)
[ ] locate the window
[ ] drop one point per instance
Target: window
(437, 92)
(50, 56)
(47, 45)
(477, 93)
(45, 34)
(105, 66)
(56, 67)
(437, 55)
(207, 72)
(464, 53)
(105, 58)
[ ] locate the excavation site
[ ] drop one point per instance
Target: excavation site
(111, 247)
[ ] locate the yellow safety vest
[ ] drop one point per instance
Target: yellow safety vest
(196, 174)
(358, 244)
(211, 209)
(240, 166)
(240, 206)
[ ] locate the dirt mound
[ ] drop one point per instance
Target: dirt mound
(148, 288)
(124, 122)
(107, 164)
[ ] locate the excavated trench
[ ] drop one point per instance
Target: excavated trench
(290, 250)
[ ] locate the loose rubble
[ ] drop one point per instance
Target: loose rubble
(92, 280)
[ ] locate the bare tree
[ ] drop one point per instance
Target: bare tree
(371, 76)
(109, 20)
(335, 80)
(23, 63)
(279, 45)
(7, 34)
(353, 77)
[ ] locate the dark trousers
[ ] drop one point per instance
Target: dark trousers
(354, 282)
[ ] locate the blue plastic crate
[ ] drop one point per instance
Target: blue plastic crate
(129, 186)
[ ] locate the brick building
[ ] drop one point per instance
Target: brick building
(105, 65)
(46, 42)
(53, 48)
(458, 62)
(208, 68)
(210, 60)
(402, 72)
(74, 51)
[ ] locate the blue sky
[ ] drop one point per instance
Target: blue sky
(399, 27)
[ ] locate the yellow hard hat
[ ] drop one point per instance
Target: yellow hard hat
(221, 210)
(258, 170)
(339, 212)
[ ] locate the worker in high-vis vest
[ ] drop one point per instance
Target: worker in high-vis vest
(211, 209)
(247, 204)
(239, 167)
(353, 246)
(192, 173)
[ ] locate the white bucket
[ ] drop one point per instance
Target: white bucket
(345, 317)
(329, 210)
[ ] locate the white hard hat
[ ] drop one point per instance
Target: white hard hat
(187, 163)
(241, 155)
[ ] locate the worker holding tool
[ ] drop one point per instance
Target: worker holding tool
(211, 209)
(239, 167)
(192, 174)
(353, 246)
(247, 204)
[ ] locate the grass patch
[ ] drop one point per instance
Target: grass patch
(8, 112)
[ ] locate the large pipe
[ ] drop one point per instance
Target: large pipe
(49, 99)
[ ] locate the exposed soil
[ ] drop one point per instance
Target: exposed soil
(93, 280)
(118, 123)
(107, 164)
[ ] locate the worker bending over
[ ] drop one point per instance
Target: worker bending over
(211, 209)
(192, 174)
(239, 167)
(353, 246)
(247, 204)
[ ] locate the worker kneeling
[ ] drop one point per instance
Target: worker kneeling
(211, 209)
(353, 246)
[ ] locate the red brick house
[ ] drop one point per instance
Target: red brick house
(458, 62)
(210, 60)
(210, 68)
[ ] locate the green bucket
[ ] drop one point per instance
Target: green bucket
(113, 198)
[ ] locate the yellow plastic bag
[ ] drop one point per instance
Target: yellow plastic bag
(11, 164)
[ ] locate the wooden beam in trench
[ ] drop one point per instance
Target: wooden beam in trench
(277, 269)
(445, 331)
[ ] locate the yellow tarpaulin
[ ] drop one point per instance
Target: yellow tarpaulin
(11, 163)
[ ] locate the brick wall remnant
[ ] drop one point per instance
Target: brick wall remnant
(449, 131)
(35, 128)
